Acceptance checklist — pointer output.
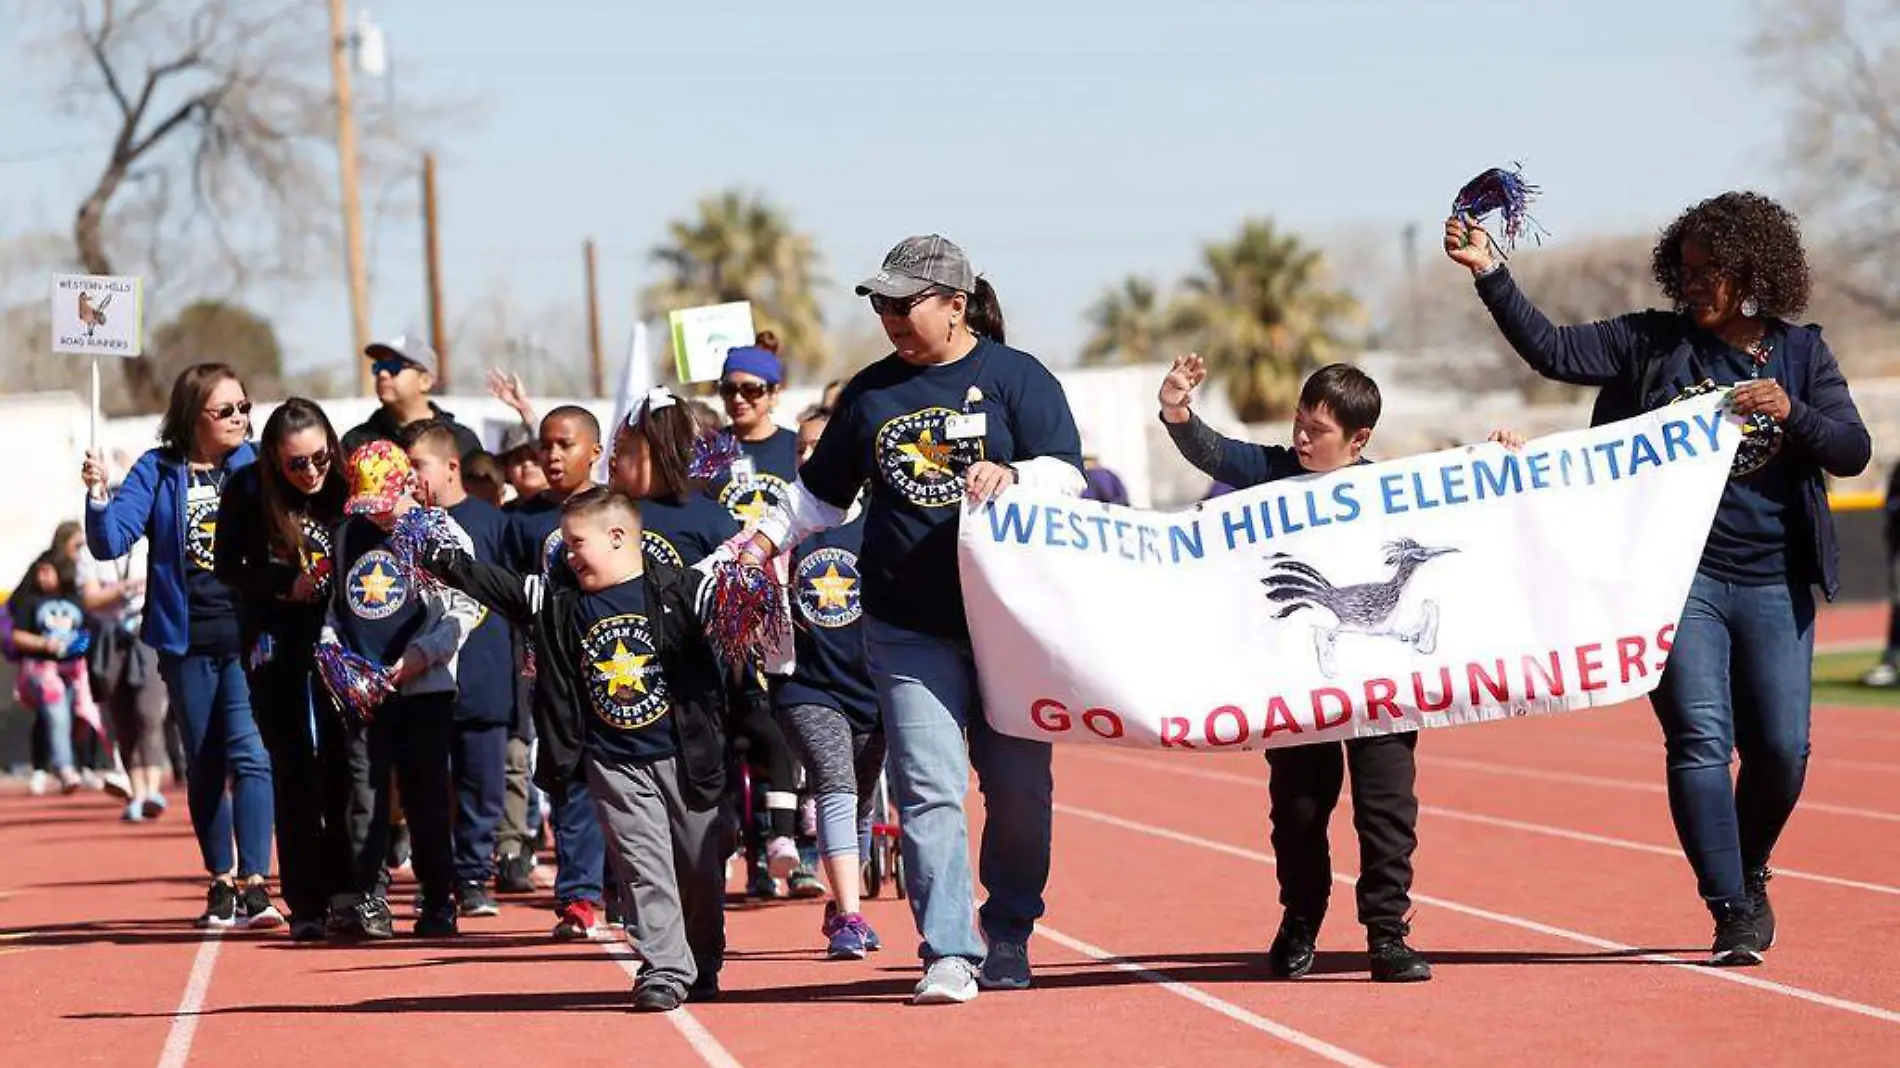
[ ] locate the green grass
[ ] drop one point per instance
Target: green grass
(1837, 681)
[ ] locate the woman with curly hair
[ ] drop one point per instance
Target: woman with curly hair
(1739, 673)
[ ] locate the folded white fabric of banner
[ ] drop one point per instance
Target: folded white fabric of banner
(1466, 585)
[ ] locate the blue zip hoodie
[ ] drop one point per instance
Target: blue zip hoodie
(151, 504)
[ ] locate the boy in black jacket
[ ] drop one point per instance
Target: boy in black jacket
(630, 696)
(1339, 405)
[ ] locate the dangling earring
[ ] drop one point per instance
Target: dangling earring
(1750, 308)
(952, 335)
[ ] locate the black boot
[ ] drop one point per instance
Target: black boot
(1757, 884)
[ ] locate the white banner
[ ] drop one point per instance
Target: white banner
(1457, 587)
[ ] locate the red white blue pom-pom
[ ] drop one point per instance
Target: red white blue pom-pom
(713, 455)
(748, 613)
(358, 684)
(415, 536)
(1504, 192)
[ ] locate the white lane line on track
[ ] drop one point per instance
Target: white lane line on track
(185, 1018)
(1672, 852)
(1604, 782)
(1317, 1046)
(683, 1021)
(1697, 968)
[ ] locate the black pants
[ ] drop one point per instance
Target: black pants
(310, 783)
(769, 754)
(1304, 789)
(479, 761)
(410, 735)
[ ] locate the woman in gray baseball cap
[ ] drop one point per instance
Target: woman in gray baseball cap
(953, 414)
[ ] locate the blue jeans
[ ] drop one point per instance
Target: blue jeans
(580, 850)
(1739, 678)
(222, 746)
(56, 720)
(927, 691)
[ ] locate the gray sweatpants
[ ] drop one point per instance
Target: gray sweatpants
(672, 861)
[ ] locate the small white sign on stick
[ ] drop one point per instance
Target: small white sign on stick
(702, 336)
(98, 315)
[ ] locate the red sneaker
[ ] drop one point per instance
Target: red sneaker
(579, 922)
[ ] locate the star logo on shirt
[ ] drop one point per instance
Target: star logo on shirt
(927, 455)
(751, 509)
(376, 587)
(827, 587)
(915, 456)
(748, 498)
(623, 671)
(834, 590)
(376, 584)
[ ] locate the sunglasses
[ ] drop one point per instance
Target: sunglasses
(226, 411)
(391, 367)
(899, 307)
(751, 391)
(319, 460)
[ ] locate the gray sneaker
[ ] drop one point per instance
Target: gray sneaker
(948, 981)
(1006, 967)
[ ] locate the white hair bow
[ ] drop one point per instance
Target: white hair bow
(658, 397)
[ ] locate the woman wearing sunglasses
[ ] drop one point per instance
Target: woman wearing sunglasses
(952, 415)
(274, 552)
(171, 497)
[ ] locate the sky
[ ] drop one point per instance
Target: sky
(1064, 144)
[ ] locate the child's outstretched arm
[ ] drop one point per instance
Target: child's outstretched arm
(516, 596)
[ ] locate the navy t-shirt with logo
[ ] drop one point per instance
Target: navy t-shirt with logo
(49, 615)
(758, 480)
(629, 711)
(826, 607)
(485, 670)
(212, 609)
(1749, 539)
(379, 611)
(684, 532)
(893, 429)
(535, 546)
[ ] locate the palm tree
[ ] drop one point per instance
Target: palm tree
(1130, 325)
(1259, 311)
(742, 247)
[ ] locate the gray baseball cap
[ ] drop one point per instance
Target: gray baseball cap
(404, 347)
(916, 264)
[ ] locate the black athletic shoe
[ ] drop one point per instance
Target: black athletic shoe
(473, 899)
(704, 988)
(308, 929)
(1395, 962)
(1291, 954)
(437, 920)
(515, 875)
(374, 920)
(255, 911)
(657, 997)
(220, 907)
(1757, 883)
(1737, 940)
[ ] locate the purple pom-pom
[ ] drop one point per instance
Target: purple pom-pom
(358, 684)
(713, 455)
(748, 613)
(1504, 192)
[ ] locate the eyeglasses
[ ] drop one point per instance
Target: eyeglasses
(226, 411)
(319, 460)
(899, 307)
(751, 391)
(391, 367)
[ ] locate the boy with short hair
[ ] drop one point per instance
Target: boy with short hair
(1339, 406)
(481, 475)
(485, 698)
(631, 703)
(570, 449)
(380, 611)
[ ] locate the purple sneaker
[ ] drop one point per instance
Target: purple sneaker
(849, 937)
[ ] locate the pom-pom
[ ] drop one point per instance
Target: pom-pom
(1504, 192)
(415, 537)
(713, 455)
(748, 613)
(358, 684)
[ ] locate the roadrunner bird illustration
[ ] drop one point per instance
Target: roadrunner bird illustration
(92, 317)
(1367, 608)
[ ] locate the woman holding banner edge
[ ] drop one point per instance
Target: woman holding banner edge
(1739, 674)
(952, 414)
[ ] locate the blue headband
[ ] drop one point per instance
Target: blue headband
(753, 360)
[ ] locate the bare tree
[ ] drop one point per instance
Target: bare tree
(216, 164)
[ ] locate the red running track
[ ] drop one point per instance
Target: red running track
(1550, 897)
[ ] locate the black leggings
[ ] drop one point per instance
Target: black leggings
(310, 779)
(770, 757)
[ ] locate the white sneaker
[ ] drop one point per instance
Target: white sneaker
(91, 780)
(781, 857)
(1881, 675)
(948, 981)
(39, 783)
(117, 785)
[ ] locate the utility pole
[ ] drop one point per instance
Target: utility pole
(1412, 327)
(352, 197)
(594, 370)
(437, 336)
